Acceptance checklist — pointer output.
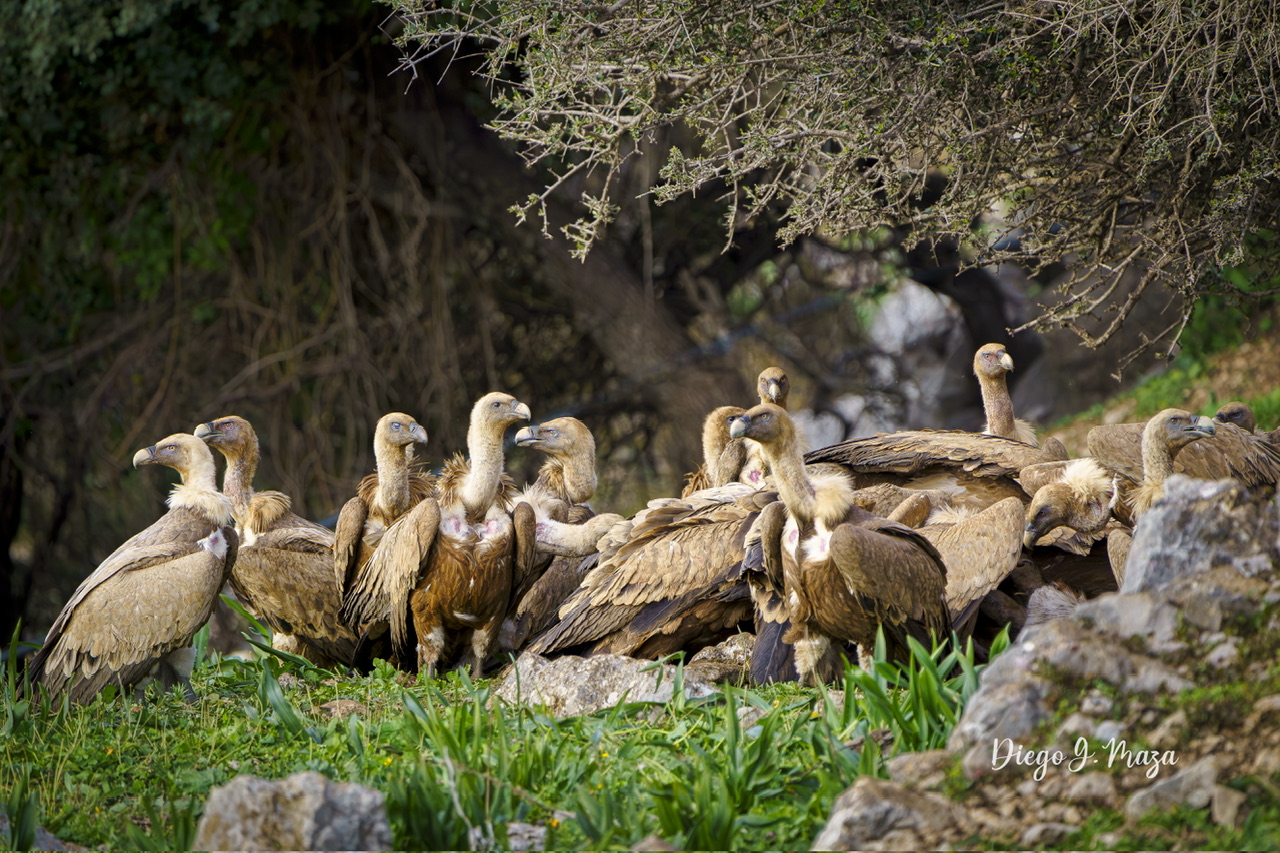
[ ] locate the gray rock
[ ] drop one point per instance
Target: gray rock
(1046, 834)
(878, 815)
(45, 840)
(1198, 525)
(729, 661)
(303, 812)
(526, 836)
(570, 686)
(1193, 787)
(920, 770)
(1225, 806)
(1092, 787)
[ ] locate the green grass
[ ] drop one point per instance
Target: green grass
(135, 775)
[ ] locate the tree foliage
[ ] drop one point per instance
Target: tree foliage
(1139, 140)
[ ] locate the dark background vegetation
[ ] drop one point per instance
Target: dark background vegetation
(212, 207)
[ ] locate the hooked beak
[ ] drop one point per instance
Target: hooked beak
(523, 411)
(1006, 361)
(527, 436)
(418, 433)
(1030, 536)
(774, 391)
(1203, 426)
(206, 431)
(738, 426)
(145, 456)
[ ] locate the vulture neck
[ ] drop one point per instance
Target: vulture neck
(572, 477)
(792, 482)
(198, 491)
(393, 476)
(480, 488)
(1157, 460)
(998, 406)
(237, 482)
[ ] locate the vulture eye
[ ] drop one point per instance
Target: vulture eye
(495, 404)
(169, 448)
(396, 426)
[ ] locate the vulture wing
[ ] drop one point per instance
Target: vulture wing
(145, 601)
(1230, 453)
(676, 553)
(979, 552)
(380, 591)
(349, 541)
(772, 659)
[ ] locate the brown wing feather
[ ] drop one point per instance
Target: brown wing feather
(146, 600)
(916, 452)
(381, 589)
(674, 551)
(979, 552)
(348, 546)
(1230, 453)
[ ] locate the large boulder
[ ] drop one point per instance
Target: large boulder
(306, 811)
(570, 686)
(876, 814)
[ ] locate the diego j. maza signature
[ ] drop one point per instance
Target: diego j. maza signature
(1115, 752)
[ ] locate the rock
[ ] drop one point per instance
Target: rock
(1209, 598)
(1098, 788)
(652, 842)
(1046, 834)
(1193, 787)
(879, 815)
(920, 770)
(303, 812)
(340, 708)
(1224, 654)
(1225, 806)
(1096, 704)
(729, 661)
(570, 686)
(1136, 615)
(44, 839)
(1198, 525)
(526, 836)
(1168, 734)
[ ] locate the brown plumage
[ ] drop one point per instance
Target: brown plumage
(773, 386)
(284, 567)
(979, 551)
(1229, 453)
(382, 497)
(1242, 416)
(846, 572)
(672, 584)
(132, 620)
(723, 457)
(448, 564)
(567, 480)
(974, 469)
(1074, 507)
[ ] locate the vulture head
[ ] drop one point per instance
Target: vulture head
(992, 361)
(1174, 429)
(229, 433)
(184, 453)
(399, 430)
(495, 411)
(1081, 499)
(558, 437)
(774, 386)
(1237, 413)
(766, 423)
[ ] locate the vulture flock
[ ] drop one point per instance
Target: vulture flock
(922, 534)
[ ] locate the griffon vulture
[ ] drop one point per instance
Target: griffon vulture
(727, 459)
(132, 620)
(566, 482)
(672, 583)
(846, 573)
(1070, 511)
(446, 567)
(284, 568)
(382, 497)
(1242, 416)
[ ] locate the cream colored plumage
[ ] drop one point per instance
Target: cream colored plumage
(132, 619)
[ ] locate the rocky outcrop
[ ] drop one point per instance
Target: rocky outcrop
(303, 812)
(570, 686)
(1089, 710)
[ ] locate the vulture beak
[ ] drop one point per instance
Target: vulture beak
(738, 426)
(523, 411)
(774, 391)
(418, 433)
(1203, 426)
(145, 456)
(206, 431)
(527, 436)
(1030, 536)
(1006, 360)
